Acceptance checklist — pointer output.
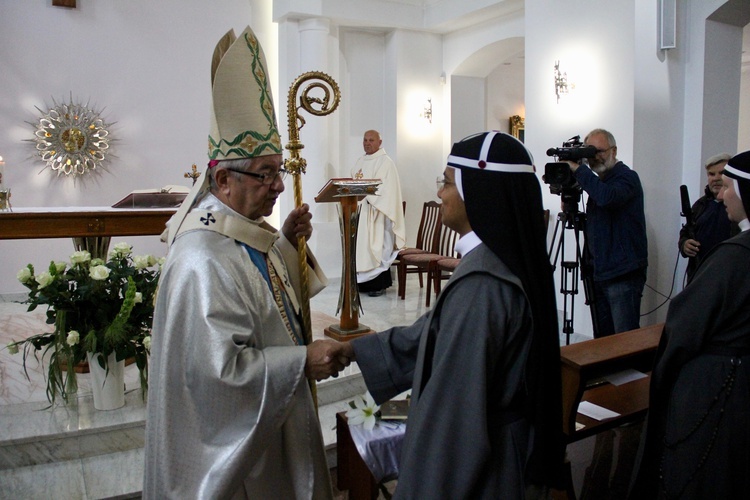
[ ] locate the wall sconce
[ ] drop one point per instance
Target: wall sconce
(561, 82)
(427, 113)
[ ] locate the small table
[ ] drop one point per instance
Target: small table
(352, 471)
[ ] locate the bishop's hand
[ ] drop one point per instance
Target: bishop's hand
(325, 358)
(298, 223)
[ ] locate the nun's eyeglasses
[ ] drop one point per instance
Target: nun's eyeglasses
(441, 182)
(265, 179)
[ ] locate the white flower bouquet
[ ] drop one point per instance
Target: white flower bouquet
(95, 306)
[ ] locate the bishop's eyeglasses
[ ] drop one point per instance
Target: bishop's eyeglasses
(265, 179)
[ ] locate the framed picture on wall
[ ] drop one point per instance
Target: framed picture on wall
(517, 127)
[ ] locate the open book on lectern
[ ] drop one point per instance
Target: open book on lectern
(337, 188)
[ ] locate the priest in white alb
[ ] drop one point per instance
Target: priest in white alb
(382, 230)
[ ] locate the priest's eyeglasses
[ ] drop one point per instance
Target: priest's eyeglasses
(265, 179)
(441, 182)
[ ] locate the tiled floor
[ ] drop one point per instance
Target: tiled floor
(381, 312)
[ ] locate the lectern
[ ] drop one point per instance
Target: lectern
(347, 192)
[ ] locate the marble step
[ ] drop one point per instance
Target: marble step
(75, 451)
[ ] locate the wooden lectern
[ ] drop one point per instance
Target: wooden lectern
(348, 192)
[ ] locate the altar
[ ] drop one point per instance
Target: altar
(90, 227)
(82, 222)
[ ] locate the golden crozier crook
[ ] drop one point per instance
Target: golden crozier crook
(296, 166)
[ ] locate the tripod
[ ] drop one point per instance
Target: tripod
(573, 270)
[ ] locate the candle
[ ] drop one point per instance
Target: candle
(4, 193)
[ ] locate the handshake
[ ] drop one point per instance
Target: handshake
(326, 358)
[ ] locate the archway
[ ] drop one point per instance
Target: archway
(487, 88)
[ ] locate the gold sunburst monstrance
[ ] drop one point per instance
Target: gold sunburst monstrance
(71, 138)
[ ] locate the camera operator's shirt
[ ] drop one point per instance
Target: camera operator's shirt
(616, 223)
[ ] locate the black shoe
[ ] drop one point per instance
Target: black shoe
(376, 293)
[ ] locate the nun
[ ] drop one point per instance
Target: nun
(697, 442)
(484, 364)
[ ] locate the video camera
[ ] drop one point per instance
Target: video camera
(558, 174)
(572, 150)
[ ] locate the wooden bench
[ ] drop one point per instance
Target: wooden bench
(589, 361)
(583, 366)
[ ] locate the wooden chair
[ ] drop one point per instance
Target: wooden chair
(443, 268)
(439, 271)
(427, 235)
(444, 247)
(395, 262)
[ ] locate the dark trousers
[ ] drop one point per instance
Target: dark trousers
(618, 303)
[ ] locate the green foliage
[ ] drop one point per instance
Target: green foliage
(108, 307)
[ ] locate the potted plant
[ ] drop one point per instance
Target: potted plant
(101, 311)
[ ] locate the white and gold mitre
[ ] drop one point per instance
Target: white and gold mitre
(243, 121)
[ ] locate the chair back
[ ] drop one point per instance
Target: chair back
(447, 242)
(429, 227)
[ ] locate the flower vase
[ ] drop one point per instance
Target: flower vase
(108, 387)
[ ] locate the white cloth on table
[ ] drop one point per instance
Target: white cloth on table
(380, 448)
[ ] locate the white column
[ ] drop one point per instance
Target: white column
(316, 136)
(315, 133)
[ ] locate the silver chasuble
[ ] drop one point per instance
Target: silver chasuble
(259, 242)
(229, 412)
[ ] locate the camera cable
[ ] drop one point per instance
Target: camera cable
(667, 298)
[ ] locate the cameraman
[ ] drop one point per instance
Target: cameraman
(711, 224)
(616, 235)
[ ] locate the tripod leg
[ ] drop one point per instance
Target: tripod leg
(558, 225)
(568, 274)
(569, 289)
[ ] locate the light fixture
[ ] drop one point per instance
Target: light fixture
(427, 113)
(561, 82)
